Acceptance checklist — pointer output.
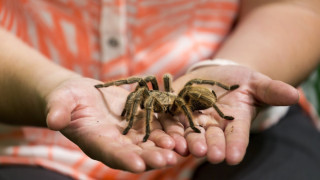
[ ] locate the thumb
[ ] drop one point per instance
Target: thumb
(59, 110)
(276, 93)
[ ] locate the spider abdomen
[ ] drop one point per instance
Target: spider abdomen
(199, 98)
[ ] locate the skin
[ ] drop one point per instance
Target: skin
(281, 34)
(222, 139)
(43, 94)
(272, 40)
(48, 95)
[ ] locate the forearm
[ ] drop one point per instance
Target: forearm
(26, 78)
(277, 38)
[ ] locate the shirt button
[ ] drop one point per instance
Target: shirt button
(113, 42)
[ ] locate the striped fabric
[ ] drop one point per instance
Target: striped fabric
(109, 39)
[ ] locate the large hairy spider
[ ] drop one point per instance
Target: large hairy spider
(189, 99)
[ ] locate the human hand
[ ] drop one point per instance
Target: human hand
(222, 139)
(91, 119)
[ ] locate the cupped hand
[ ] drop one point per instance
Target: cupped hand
(222, 139)
(90, 118)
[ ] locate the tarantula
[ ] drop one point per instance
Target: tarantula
(189, 99)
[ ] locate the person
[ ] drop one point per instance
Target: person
(259, 45)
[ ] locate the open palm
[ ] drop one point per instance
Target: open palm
(222, 139)
(91, 119)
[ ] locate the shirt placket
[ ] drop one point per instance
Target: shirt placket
(113, 32)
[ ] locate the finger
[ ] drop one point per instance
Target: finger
(124, 156)
(153, 156)
(128, 158)
(156, 157)
(181, 146)
(118, 152)
(157, 135)
(237, 139)
(161, 139)
(216, 144)
(196, 142)
(175, 129)
(275, 93)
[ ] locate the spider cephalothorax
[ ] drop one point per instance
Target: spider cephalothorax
(189, 99)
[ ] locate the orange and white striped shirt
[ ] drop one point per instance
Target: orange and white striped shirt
(109, 39)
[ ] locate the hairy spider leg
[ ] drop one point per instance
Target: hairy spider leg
(149, 104)
(145, 94)
(215, 95)
(136, 100)
(120, 82)
(184, 91)
(127, 105)
(141, 83)
(182, 104)
(153, 81)
(221, 113)
(167, 80)
(202, 98)
(211, 82)
(131, 80)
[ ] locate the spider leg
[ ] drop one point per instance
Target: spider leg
(211, 82)
(167, 80)
(127, 106)
(209, 101)
(130, 115)
(181, 103)
(215, 95)
(221, 114)
(153, 81)
(184, 91)
(130, 80)
(123, 113)
(127, 110)
(149, 104)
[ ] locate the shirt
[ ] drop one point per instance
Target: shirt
(109, 39)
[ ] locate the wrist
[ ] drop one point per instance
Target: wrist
(213, 62)
(47, 84)
(26, 78)
(43, 86)
(52, 79)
